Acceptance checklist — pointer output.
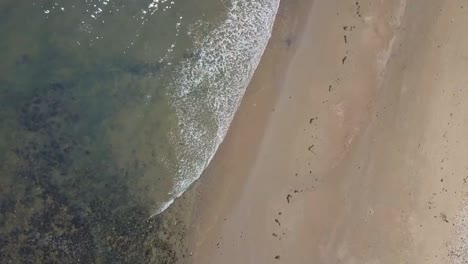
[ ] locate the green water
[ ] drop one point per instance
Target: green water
(85, 124)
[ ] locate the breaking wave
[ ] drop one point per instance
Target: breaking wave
(207, 90)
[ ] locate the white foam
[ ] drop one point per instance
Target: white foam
(163, 207)
(458, 247)
(207, 90)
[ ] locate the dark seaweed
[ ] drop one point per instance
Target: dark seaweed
(53, 212)
(64, 198)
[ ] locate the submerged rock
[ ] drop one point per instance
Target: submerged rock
(62, 202)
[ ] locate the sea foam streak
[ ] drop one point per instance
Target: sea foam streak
(208, 90)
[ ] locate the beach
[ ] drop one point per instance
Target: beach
(349, 145)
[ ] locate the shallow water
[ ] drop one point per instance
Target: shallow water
(109, 110)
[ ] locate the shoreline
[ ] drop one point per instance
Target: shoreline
(347, 146)
(250, 121)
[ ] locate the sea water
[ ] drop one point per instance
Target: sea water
(109, 110)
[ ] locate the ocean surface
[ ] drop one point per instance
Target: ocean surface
(109, 110)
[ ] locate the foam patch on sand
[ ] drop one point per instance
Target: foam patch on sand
(458, 251)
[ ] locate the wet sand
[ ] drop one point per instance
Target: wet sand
(350, 145)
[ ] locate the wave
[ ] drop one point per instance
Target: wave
(208, 90)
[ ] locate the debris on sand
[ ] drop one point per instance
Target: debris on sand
(278, 222)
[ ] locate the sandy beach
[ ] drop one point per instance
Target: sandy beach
(350, 144)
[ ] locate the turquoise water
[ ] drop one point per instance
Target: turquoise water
(109, 110)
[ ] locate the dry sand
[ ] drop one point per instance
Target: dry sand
(351, 144)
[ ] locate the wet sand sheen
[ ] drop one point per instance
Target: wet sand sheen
(348, 145)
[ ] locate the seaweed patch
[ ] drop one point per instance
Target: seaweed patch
(60, 204)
